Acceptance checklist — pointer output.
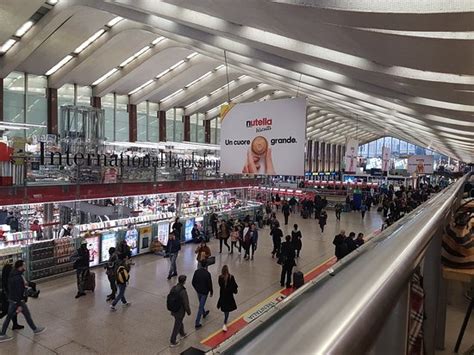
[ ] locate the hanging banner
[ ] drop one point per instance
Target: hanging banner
(265, 138)
(420, 164)
(385, 158)
(350, 159)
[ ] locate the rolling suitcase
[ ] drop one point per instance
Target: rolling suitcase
(298, 279)
(89, 281)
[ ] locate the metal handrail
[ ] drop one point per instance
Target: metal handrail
(343, 313)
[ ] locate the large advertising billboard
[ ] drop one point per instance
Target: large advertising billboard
(420, 164)
(265, 138)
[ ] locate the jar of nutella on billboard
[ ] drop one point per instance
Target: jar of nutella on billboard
(259, 148)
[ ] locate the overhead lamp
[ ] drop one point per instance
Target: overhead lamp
(59, 65)
(105, 76)
(134, 56)
(162, 73)
(52, 2)
(171, 95)
(158, 40)
(114, 21)
(89, 41)
(7, 45)
(141, 87)
(198, 79)
(174, 66)
(24, 28)
(192, 55)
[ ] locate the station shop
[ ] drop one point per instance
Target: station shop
(143, 221)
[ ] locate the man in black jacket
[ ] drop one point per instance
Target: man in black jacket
(172, 248)
(276, 234)
(82, 267)
(202, 283)
(184, 309)
(287, 261)
(16, 296)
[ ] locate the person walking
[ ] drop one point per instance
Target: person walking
(81, 264)
(247, 241)
(110, 271)
(6, 272)
(16, 303)
(178, 304)
(285, 208)
(213, 220)
(363, 210)
(296, 240)
(173, 247)
(234, 239)
(223, 235)
(276, 235)
(177, 228)
(293, 203)
(122, 278)
(202, 283)
(323, 217)
(359, 240)
(338, 208)
(350, 242)
(253, 239)
(340, 244)
(287, 261)
(228, 288)
(203, 252)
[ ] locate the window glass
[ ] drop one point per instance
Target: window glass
(13, 101)
(153, 125)
(170, 125)
(395, 146)
(179, 125)
(36, 104)
(121, 119)
(403, 147)
(193, 127)
(108, 106)
(84, 94)
(142, 122)
(65, 98)
(213, 131)
(218, 131)
(200, 128)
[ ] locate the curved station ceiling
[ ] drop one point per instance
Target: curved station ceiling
(368, 68)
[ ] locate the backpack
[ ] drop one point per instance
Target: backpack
(173, 301)
(122, 275)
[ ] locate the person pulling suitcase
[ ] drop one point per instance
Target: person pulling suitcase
(81, 265)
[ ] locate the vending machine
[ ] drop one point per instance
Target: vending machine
(144, 234)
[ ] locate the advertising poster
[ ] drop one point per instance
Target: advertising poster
(131, 237)
(93, 246)
(385, 158)
(420, 164)
(350, 159)
(163, 233)
(266, 138)
(108, 240)
(188, 227)
(145, 239)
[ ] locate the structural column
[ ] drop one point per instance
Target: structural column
(187, 128)
(309, 155)
(339, 158)
(328, 156)
(162, 126)
(333, 158)
(96, 101)
(132, 123)
(207, 131)
(322, 153)
(1, 99)
(52, 111)
(316, 156)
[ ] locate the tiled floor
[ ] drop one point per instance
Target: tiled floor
(86, 325)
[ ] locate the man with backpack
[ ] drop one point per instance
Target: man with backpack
(122, 277)
(177, 303)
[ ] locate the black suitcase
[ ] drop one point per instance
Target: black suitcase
(298, 279)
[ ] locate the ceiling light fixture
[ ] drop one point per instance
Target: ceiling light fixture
(171, 95)
(89, 41)
(158, 40)
(136, 55)
(105, 76)
(7, 45)
(59, 65)
(192, 55)
(24, 28)
(141, 87)
(52, 2)
(114, 21)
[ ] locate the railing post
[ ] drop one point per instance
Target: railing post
(393, 337)
(431, 284)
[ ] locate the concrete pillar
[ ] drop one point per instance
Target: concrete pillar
(322, 153)
(333, 158)
(309, 155)
(52, 110)
(1, 99)
(96, 101)
(207, 131)
(132, 123)
(162, 126)
(316, 156)
(186, 128)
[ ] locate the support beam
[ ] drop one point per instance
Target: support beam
(132, 122)
(207, 131)
(96, 101)
(52, 110)
(162, 125)
(187, 128)
(1, 99)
